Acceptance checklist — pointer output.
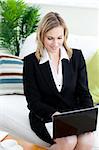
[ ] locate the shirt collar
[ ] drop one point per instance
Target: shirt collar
(45, 57)
(63, 53)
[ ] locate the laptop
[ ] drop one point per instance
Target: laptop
(75, 122)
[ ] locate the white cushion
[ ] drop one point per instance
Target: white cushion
(29, 46)
(14, 118)
(88, 44)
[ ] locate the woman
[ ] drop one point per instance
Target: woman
(55, 81)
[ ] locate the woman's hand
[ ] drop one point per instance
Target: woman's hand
(64, 143)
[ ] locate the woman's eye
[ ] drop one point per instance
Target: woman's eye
(60, 38)
(50, 38)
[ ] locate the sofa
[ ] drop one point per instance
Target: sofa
(13, 106)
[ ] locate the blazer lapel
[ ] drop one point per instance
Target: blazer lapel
(67, 71)
(67, 75)
(46, 72)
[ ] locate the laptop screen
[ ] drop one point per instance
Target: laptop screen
(75, 122)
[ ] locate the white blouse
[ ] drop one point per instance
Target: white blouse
(57, 75)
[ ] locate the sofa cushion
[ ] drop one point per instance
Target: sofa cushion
(11, 74)
(93, 76)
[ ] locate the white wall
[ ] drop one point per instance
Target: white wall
(81, 16)
(82, 21)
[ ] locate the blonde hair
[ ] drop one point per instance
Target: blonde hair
(50, 21)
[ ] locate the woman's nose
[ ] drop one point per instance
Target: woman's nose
(55, 43)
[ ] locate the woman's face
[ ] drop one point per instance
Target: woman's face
(53, 39)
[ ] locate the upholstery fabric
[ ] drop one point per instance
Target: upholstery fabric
(93, 76)
(11, 74)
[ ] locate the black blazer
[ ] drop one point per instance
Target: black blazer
(42, 95)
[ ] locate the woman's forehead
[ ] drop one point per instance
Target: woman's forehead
(58, 31)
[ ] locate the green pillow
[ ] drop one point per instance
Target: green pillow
(93, 76)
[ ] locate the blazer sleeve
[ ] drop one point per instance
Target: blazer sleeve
(85, 98)
(32, 93)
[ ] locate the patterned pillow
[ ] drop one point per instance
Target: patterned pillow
(11, 74)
